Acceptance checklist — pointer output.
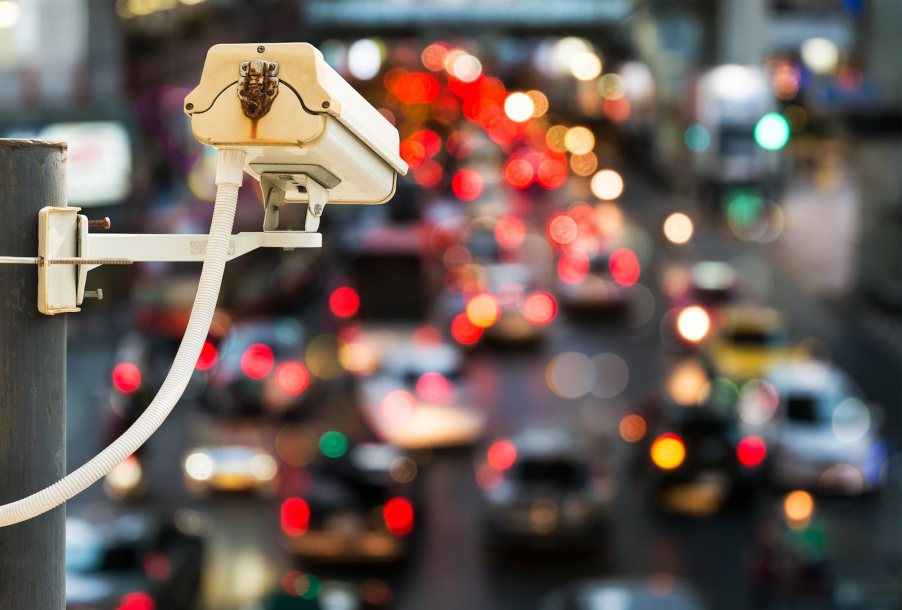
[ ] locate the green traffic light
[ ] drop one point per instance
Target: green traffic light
(772, 131)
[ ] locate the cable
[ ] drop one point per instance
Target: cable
(229, 174)
(71, 260)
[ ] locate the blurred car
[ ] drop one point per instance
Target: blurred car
(596, 292)
(390, 259)
(417, 398)
(698, 460)
(513, 309)
(658, 593)
(728, 103)
(162, 307)
(711, 284)
(356, 508)
(821, 433)
(235, 460)
(118, 560)
(749, 341)
(260, 370)
(544, 489)
(140, 363)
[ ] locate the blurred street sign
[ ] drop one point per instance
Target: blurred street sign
(100, 161)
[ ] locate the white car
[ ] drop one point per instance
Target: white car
(513, 286)
(238, 459)
(417, 400)
(819, 433)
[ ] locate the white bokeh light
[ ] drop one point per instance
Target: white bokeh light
(364, 59)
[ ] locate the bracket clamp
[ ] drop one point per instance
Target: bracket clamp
(67, 252)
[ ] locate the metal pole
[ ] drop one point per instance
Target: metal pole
(32, 381)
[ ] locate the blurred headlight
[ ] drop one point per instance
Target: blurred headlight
(263, 467)
(199, 466)
(125, 477)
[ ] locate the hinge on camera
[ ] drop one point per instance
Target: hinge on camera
(258, 85)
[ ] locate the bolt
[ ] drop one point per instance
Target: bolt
(103, 223)
(325, 104)
(261, 48)
(94, 294)
(189, 106)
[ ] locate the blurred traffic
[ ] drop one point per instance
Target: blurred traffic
(627, 336)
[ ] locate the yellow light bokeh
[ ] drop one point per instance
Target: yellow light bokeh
(668, 452)
(483, 311)
(798, 506)
(579, 140)
(607, 185)
(585, 66)
(519, 107)
(358, 357)
(555, 138)
(539, 102)
(678, 228)
(584, 165)
(693, 323)
(687, 385)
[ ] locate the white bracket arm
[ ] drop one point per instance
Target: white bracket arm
(67, 252)
(318, 197)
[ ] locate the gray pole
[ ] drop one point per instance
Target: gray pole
(32, 381)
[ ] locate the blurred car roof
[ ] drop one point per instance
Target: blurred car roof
(411, 357)
(713, 275)
(813, 376)
(546, 443)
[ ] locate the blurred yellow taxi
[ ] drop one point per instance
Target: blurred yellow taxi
(749, 342)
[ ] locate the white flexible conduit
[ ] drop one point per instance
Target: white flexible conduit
(229, 173)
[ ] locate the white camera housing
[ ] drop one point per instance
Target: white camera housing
(298, 121)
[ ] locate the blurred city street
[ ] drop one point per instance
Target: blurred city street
(628, 336)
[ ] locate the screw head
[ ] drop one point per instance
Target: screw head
(326, 104)
(189, 106)
(261, 48)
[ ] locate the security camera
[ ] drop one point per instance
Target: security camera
(309, 137)
(274, 111)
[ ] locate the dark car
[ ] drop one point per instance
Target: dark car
(140, 364)
(356, 508)
(261, 370)
(596, 293)
(118, 559)
(545, 489)
(698, 459)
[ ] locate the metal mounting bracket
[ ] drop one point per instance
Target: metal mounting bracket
(67, 252)
(301, 182)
